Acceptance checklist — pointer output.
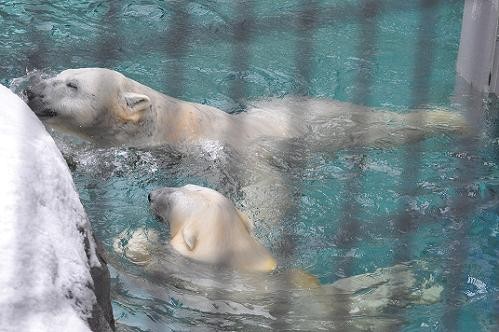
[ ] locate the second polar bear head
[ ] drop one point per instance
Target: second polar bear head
(207, 227)
(95, 103)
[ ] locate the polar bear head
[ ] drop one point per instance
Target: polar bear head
(207, 227)
(98, 104)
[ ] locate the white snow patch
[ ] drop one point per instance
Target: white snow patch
(45, 281)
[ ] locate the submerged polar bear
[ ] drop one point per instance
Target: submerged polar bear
(107, 108)
(207, 227)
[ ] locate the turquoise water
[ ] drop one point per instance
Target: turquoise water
(191, 50)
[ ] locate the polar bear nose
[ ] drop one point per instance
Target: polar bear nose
(29, 94)
(159, 195)
(33, 92)
(32, 95)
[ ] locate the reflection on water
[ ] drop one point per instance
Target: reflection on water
(190, 49)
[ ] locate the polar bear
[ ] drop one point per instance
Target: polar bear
(206, 226)
(107, 108)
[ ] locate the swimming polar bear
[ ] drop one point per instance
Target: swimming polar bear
(206, 226)
(109, 109)
(105, 107)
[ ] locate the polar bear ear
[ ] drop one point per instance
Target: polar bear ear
(136, 105)
(189, 237)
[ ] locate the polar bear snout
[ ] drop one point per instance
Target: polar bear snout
(36, 96)
(30, 94)
(155, 194)
(159, 201)
(37, 100)
(36, 87)
(33, 92)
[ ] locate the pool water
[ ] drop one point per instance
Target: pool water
(356, 210)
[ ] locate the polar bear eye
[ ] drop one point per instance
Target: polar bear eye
(72, 85)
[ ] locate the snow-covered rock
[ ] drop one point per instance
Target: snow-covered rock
(52, 275)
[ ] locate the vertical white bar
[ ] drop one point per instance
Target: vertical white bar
(477, 48)
(494, 75)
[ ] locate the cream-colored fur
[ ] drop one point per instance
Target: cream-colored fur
(108, 108)
(205, 226)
